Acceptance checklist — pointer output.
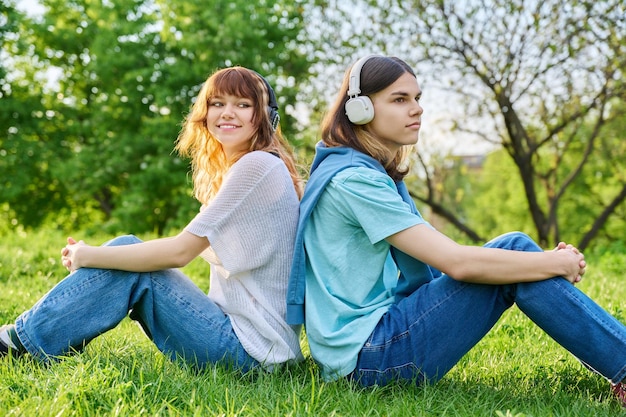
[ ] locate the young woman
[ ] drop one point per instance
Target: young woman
(377, 306)
(244, 175)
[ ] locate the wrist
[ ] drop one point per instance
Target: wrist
(78, 260)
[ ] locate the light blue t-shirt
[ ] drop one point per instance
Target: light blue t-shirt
(350, 274)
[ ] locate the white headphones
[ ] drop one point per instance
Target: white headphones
(359, 109)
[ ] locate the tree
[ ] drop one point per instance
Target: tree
(127, 74)
(543, 80)
(28, 188)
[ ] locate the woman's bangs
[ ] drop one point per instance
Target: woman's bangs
(233, 82)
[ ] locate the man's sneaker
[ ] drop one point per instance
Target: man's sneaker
(6, 343)
(619, 390)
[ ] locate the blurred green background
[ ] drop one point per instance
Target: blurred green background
(523, 126)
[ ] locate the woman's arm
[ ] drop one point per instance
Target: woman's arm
(153, 255)
(487, 265)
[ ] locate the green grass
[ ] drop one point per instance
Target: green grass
(515, 371)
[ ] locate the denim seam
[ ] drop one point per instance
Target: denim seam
(370, 347)
(426, 313)
(196, 312)
(404, 334)
(622, 372)
(19, 326)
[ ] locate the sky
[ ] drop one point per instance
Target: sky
(29, 6)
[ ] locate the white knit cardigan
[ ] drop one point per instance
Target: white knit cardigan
(251, 225)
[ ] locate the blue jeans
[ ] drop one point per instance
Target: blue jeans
(425, 334)
(175, 314)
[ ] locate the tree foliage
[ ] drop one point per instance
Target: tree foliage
(95, 143)
(541, 80)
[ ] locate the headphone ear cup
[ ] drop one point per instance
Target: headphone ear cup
(359, 110)
(272, 108)
(274, 118)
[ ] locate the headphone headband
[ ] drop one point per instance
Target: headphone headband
(354, 82)
(272, 102)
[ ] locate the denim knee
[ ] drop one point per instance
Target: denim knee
(123, 240)
(518, 241)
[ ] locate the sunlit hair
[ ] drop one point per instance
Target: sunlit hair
(377, 74)
(209, 163)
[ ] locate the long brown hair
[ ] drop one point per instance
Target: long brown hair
(377, 73)
(209, 163)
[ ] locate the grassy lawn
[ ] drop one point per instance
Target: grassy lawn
(515, 371)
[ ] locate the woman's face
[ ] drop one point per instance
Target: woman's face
(229, 119)
(397, 113)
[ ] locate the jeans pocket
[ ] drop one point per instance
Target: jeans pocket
(369, 376)
(383, 360)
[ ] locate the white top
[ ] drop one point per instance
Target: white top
(251, 225)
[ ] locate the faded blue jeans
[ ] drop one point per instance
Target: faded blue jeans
(425, 334)
(175, 314)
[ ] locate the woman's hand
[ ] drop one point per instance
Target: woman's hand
(68, 254)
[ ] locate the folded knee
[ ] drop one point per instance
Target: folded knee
(123, 240)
